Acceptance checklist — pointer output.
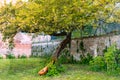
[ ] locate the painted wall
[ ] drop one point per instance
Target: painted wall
(23, 44)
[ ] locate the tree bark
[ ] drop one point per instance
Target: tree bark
(57, 53)
(61, 46)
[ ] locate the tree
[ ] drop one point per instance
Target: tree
(53, 16)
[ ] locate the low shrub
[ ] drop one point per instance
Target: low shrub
(110, 62)
(55, 69)
(10, 56)
(86, 59)
(98, 63)
(117, 60)
(66, 57)
(110, 58)
(23, 56)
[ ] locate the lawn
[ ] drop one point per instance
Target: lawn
(26, 69)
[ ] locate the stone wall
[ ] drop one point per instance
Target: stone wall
(44, 48)
(27, 45)
(93, 45)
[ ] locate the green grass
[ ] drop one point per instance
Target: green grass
(27, 69)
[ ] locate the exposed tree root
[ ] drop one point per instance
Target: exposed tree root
(43, 71)
(57, 53)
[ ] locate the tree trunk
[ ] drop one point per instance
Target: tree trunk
(57, 53)
(61, 46)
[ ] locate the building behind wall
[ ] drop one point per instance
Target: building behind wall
(27, 45)
(22, 45)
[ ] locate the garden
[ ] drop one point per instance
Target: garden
(78, 19)
(99, 68)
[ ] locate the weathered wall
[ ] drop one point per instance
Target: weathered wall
(44, 48)
(25, 46)
(93, 45)
(22, 43)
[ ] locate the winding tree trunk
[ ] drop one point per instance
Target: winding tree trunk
(57, 53)
(61, 46)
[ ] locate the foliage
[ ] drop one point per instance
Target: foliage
(49, 16)
(1, 56)
(55, 69)
(81, 46)
(10, 56)
(98, 63)
(117, 58)
(86, 59)
(52, 70)
(105, 50)
(76, 34)
(53, 16)
(112, 59)
(66, 57)
(88, 31)
(23, 56)
(110, 62)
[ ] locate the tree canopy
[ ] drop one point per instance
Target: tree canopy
(51, 16)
